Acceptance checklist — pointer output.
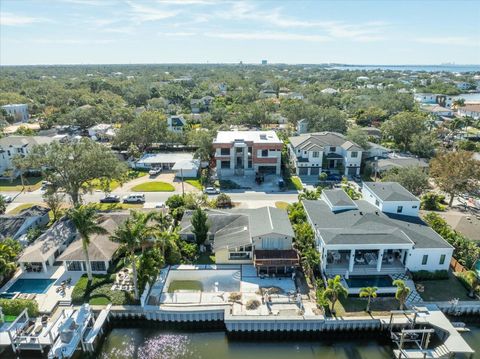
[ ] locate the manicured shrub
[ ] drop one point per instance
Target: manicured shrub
(15, 306)
(234, 297)
(426, 275)
(252, 304)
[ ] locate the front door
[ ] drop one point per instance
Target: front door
(331, 164)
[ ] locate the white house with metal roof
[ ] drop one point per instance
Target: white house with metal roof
(262, 236)
(391, 197)
(360, 238)
(314, 153)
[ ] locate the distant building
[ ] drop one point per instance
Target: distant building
(12, 146)
(16, 226)
(430, 98)
(18, 111)
(437, 110)
(102, 132)
(264, 62)
(471, 110)
(247, 152)
(176, 124)
(302, 126)
(329, 91)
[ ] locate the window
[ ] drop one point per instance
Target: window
(315, 154)
(250, 151)
(225, 164)
(399, 209)
(98, 266)
(249, 163)
(425, 259)
(377, 203)
(225, 151)
(442, 259)
(333, 149)
(74, 266)
(414, 207)
(239, 255)
(354, 154)
(264, 153)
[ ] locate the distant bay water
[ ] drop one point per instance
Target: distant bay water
(413, 68)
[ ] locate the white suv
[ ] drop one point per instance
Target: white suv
(134, 198)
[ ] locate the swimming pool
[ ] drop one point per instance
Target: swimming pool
(370, 281)
(37, 286)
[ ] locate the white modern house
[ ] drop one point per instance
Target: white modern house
(359, 239)
(260, 236)
(302, 126)
(314, 153)
(430, 98)
(391, 197)
(470, 110)
(102, 131)
(18, 111)
(176, 124)
(12, 146)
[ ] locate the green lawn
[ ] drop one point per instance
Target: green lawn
(31, 184)
(206, 258)
(10, 318)
(356, 305)
(195, 183)
(131, 175)
(190, 285)
(155, 186)
(443, 289)
(99, 292)
(281, 205)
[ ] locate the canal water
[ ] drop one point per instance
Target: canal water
(142, 343)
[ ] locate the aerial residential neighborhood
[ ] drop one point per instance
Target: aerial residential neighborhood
(196, 179)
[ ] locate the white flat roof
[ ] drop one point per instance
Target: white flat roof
(186, 165)
(253, 136)
(166, 157)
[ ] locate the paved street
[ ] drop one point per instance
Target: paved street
(248, 199)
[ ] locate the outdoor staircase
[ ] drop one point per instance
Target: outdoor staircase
(64, 303)
(237, 275)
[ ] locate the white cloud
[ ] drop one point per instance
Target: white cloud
(189, 2)
(278, 36)
(72, 41)
(449, 40)
(11, 19)
(142, 13)
(177, 34)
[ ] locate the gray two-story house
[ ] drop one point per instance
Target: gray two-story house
(314, 153)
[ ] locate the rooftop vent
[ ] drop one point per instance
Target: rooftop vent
(361, 213)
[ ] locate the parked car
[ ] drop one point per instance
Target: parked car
(7, 199)
(211, 190)
(154, 171)
(334, 177)
(111, 198)
(134, 198)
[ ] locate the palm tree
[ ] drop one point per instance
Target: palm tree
(369, 293)
(7, 260)
(3, 205)
(134, 234)
(85, 219)
(472, 278)
(402, 292)
(459, 102)
(334, 290)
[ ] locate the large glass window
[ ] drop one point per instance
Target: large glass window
(98, 266)
(354, 154)
(315, 154)
(225, 151)
(74, 266)
(225, 164)
(333, 149)
(264, 153)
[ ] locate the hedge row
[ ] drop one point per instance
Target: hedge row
(16, 306)
(426, 275)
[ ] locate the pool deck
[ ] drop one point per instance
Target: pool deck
(48, 301)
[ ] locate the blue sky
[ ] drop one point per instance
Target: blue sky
(199, 31)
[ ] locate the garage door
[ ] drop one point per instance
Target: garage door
(314, 171)
(267, 169)
(303, 171)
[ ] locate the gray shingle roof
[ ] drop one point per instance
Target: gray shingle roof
(368, 225)
(16, 141)
(322, 140)
(390, 191)
(338, 197)
(11, 224)
(236, 227)
(385, 164)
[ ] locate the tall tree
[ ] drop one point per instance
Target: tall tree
(369, 293)
(133, 236)
(358, 136)
(200, 225)
(72, 166)
(412, 178)
(472, 278)
(3, 204)
(402, 127)
(334, 291)
(54, 201)
(85, 219)
(455, 172)
(402, 292)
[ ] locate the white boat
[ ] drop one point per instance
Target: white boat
(71, 331)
